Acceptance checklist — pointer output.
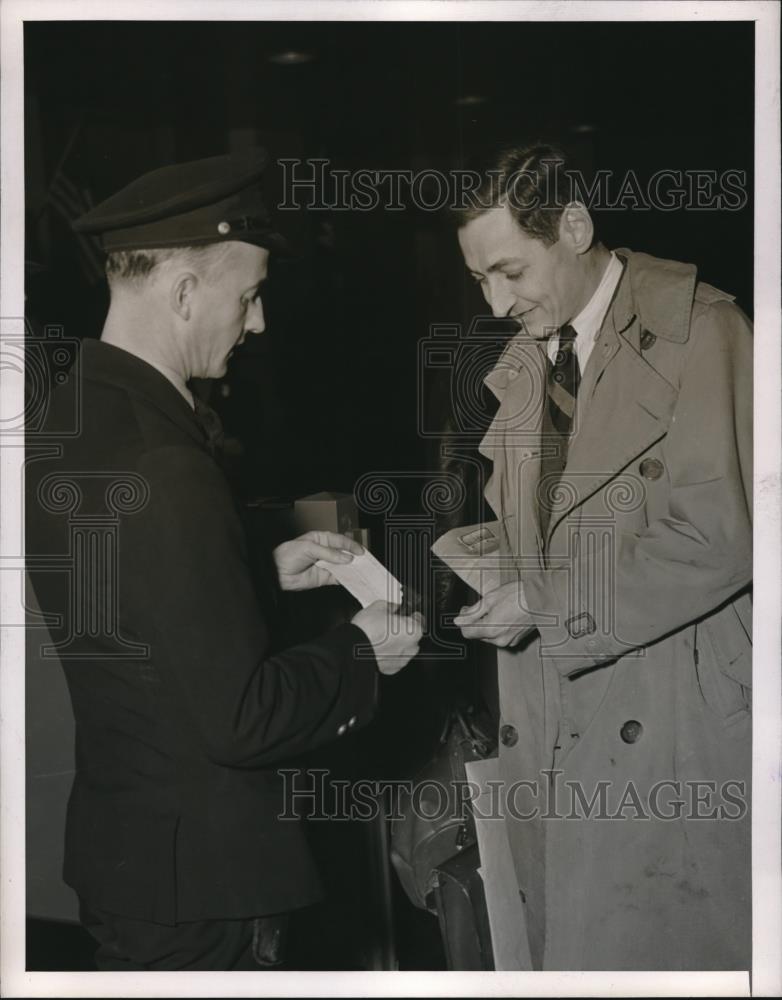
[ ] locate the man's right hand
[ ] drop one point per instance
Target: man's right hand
(394, 637)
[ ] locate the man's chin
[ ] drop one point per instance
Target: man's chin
(537, 331)
(218, 371)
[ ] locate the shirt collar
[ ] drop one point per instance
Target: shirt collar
(588, 322)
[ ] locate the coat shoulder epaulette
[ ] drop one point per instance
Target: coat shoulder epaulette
(707, 294)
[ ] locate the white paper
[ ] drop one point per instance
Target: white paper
(507, 920)
(473, 553)
(366, 579)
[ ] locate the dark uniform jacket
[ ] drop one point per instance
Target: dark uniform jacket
(182, 715)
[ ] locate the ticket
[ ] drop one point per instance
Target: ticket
(366, 578)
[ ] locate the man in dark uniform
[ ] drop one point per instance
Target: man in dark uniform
(182, 714)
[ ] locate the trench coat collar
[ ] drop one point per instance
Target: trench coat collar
(114, 366)
(659, 293)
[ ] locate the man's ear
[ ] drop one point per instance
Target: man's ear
(182, 292)
(576, 227)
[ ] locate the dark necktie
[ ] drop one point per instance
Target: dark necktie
(210, 424)
(562, 381)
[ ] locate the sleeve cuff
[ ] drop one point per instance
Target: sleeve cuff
(570, 635)
(361, 688)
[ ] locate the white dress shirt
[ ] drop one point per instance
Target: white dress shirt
(588, 322)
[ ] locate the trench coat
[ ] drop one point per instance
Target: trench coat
(185, 710)
(634, 693)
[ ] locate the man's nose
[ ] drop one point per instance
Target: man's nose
(255, 321)
(500, 298)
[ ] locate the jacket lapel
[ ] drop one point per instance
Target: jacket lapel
(629, 410)
(513, 443)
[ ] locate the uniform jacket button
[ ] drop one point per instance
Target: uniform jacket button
(508, 736)
(647, 340)
(651, 468)
(342, 729)
(631, 731)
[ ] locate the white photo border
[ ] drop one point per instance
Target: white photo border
(766, 975)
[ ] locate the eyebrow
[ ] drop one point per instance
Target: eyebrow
(256, 286)
(503, 262)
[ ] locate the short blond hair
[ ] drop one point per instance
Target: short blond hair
(135, 266)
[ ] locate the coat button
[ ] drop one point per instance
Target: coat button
(351, 721)
(631, 731)
(224, 228)
(508, 736)
(651, 468)
(647, 340)
(342, 729)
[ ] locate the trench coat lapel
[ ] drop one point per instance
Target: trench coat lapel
(629, 409)
(513, 444)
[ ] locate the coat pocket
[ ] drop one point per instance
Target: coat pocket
(730, 631)
(723, 664)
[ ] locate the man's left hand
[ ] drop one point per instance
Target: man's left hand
(295, 560)
(500, 617)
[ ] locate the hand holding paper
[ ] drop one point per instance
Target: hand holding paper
(473, 553)
(500, 617)
(394, 638)
(308, 561)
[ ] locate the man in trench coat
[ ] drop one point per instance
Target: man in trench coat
(624, 615)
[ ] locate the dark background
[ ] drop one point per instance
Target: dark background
(329, 393)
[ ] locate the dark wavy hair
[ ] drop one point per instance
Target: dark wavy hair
(535, 182)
